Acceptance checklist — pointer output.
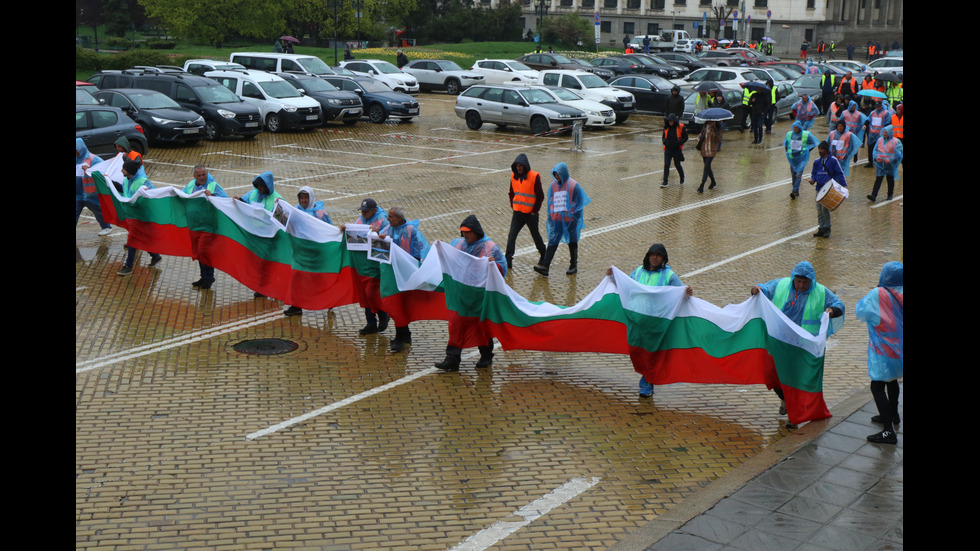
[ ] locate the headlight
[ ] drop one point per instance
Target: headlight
(288, 108)
(565, 115)
(226, 114)
(393, 103)
(158, 120)
(199, 120)
(334, 102)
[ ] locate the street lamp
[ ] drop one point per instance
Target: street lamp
(541, 10)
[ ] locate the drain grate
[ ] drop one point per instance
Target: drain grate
(266, 347)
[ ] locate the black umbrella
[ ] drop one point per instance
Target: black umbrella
(888, 77)
(755, 84)
(706, 86)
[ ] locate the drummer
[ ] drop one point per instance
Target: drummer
(825, 169)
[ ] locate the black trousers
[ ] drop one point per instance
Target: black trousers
(517, 222)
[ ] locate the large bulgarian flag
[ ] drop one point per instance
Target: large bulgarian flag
(675, 338)
(412, 291)
(303, 263)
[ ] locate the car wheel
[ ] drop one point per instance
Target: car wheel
(211, 131)
(452, 86)
(377, 113)
(139, 148)
(539, 125)
(272, 123)
(473, 120)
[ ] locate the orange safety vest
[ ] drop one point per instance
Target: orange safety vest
(524, 197)
(851, 85)
(897, 123)
(680, 128)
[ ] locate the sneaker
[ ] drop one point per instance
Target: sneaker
(541, 270)
(205, 284)
(257, 294)
(889, 198)
(701, 189)
(646, 389)
(293, 311)
(712, 185)
(154, 260)
(451, 363)
(646, 393)
(792, 425)
(663, 184)
(105, 231)
(368, 330)
(883, 437)
(125, 271)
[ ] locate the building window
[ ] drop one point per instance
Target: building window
(628, 28)
(605, 26)
(588, 3)
(732, 3)
(610, 3)
(705, 3)
(657, 4)
(633, 4)
(762, 3)
(653, 28)
(566, 3)
(680, 2)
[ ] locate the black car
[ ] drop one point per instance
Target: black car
(545, 61)
(618, 65)
(681, 59)
(380, 102)
(733, 102)
(162, 118)
(651, 92)
(336, 105)
(225, 114)
(101, 125)
(655, 66)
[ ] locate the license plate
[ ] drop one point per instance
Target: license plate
(191, 130)
(627, 105)
(413, 111)
(251, 124)
(312, 117)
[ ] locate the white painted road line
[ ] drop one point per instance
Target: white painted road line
(182, 340)
(747, 253)
(490, 536)
(895, 198)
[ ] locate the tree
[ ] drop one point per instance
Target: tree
(216, 20)
(569, 29)
(719, 13)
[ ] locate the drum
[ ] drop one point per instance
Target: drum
(831, 195)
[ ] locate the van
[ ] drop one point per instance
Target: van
(282, 106)
(282, 63)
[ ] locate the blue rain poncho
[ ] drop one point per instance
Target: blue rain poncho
(878, 119)
(210, 184)
(378, 221)
(887, 154)
(855, 120)
(806, 113)
(843, 146)
(315, 208)
(266, 200)
(798, 144)
(85, 185)
(566, 201)
(409, 237)
(483, 247)
(795, 305)
(881, 309)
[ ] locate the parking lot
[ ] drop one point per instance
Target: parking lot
(182, 442)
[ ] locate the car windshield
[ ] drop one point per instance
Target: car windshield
(518, 66)
(565, 94)
(386, 68)
(642, 60)
(145, 100)
(373, 86)
(216, 94)
(315, 65)
(316, 85)
(561, 58)
(808, 81)
(448, 65)
(592, 81)
(535, 97)
(279, 89)
(84, 98)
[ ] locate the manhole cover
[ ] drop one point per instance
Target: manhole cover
(266, 347)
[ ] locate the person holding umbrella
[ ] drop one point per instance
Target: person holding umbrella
(759, 106)
(709, 143)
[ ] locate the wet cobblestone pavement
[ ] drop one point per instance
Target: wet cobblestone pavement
(167, 411)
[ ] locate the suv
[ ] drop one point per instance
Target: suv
(385, 72)
(380, 102)
(335, 105)
(499, 71)
(545, 61)
(442, 74)
(282, 106)
(590, 86)
(520, 106)
(730, 78)
(225, 114)
(281, 63)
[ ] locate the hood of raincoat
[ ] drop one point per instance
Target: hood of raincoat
(852, 106)
(798, 127)
(81, 151)
(806, 270)
(124, 142)
(472, 224)
(266, 177)
(891, 275)
(520, 160)
(305, 189)
(562, 170)
(655, 248)
(886, 133)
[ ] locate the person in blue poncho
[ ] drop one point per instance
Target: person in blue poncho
(203, 181)
(306, 202)
(882, 310)
(135, 178)
(654, 272)
(566, 201)
(406, 235)
(825, 169)
(264, 194)
(376, 217)
(855, 121)
(798, 144)
(85, 193)
(843, 145)
(887, 158)
(805, 111)
(804, 301)
(472, 241)
(878, 119)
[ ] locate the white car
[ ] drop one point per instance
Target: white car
(385, 72)
(201, 66)
(499, 71)
(887, 65)
(591, 87)
(281, 105)
(441, 74)
(598, 113)
(730, 78)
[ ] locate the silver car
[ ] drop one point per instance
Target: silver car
(440, 74)
(517, 106)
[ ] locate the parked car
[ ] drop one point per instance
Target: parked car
(810, 85)
(795, 67)
(734, 100)
(441, 74)
(499, 71)
(856, 68)
(618, 65)
(887, 65)
(282, 106)
(335, 104)
(544, 61)
(727, 77)
(592, 87)
(597, 114)
(86, 86)
(84, 97)
(656, 66)
(101, 125)
(512, 105)
(201, 66)
(162, 118)
(601, 72)
(225, 114)
(721, 58)
(281, 63)
(650, 91)
(380, 102)
(385, 72)
(687, 61)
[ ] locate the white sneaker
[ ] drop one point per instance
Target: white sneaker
(105, 231)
